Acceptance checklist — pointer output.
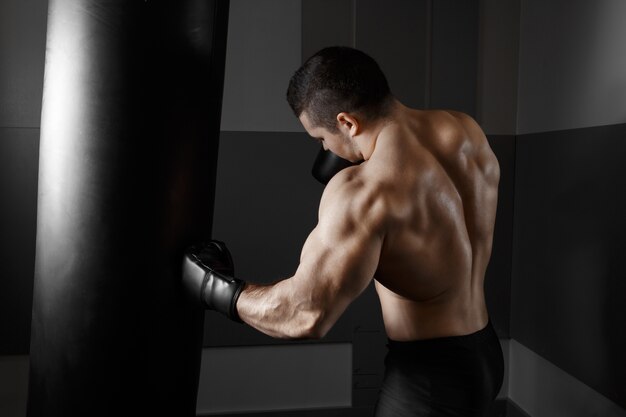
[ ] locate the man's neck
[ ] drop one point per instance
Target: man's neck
(368, 138)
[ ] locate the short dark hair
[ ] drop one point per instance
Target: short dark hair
(338, 79)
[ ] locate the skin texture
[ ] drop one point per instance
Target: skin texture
(417, 217)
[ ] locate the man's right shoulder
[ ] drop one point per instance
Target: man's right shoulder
(473, 138)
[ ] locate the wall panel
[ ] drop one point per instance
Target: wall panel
(22, 47)
(568, 282)
(454, 62)
(396, 34)
(19, 167)
(572, 65)
(326, 23)
(263, 52)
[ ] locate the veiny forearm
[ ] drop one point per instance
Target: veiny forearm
(279, 310)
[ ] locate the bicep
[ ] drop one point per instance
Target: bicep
(339, 258)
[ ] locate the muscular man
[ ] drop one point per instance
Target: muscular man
(416, 216)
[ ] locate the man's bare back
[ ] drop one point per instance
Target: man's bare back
(417, 216)
(438, 179)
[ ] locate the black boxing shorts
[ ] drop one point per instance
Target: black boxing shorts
(450, 376)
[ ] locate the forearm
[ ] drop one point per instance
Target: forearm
(304, 306)
(279, 310)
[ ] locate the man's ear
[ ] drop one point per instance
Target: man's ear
(349, 124)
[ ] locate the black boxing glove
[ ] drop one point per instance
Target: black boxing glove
(327, 164)
(208, 278)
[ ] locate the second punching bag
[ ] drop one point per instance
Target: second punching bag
(129, 136)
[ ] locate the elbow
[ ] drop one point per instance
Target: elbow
(315, 333)
(321, 325)
(316, 326)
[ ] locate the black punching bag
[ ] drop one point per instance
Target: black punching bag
(129, 137)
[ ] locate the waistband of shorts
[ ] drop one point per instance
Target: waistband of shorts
(477, 337)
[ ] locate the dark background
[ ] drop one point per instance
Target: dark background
(545, 80)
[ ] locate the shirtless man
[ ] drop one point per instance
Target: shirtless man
(415, 213)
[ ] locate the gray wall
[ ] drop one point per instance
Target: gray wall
(568, 287)
(13, 385)
(572, 64)
(264, 45)
(22, 46)
(498, 66)
(568, 272)
(454, 55)
(545, 390)
(398, 35)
